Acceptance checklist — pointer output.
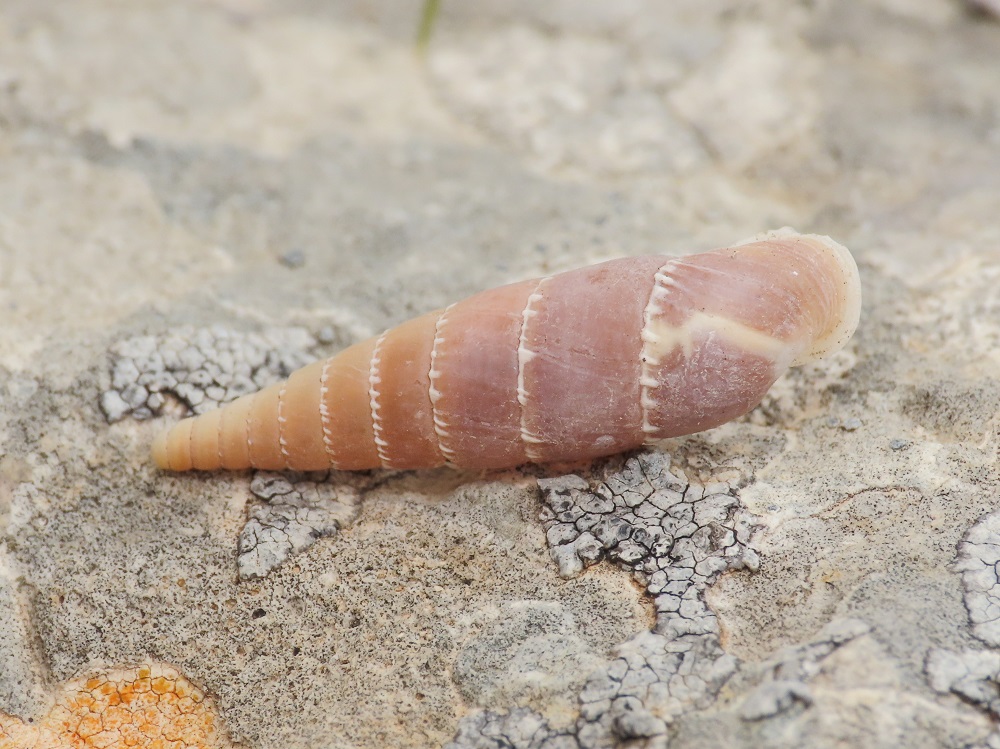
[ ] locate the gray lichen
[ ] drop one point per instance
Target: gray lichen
(676, 535)
(205, 368)
(202, 368)
(521, 728)
(973, 675)
(786, 675)
(773, 698)
(978, 560)
(295, 510)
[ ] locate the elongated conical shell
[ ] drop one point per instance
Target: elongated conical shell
(573, 366)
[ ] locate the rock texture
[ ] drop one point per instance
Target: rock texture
(198, 195)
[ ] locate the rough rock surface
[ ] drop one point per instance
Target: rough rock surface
(198, 195)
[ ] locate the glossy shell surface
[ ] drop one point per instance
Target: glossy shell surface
(572, 366)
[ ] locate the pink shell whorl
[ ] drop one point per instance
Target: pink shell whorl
(573, 366)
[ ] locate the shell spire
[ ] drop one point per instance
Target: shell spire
(574, 366)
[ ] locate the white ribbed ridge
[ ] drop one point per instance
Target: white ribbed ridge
(374, 380)
(324, 414)
(440, 425)
(524, 356)
(651, 352)
(282, 442)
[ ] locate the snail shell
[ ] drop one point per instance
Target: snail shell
(572, 366)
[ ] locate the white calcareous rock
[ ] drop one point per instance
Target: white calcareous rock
(198, 197)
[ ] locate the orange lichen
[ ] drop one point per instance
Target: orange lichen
(149, 707)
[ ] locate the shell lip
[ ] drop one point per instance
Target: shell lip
(837, 337)
(834, 339)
